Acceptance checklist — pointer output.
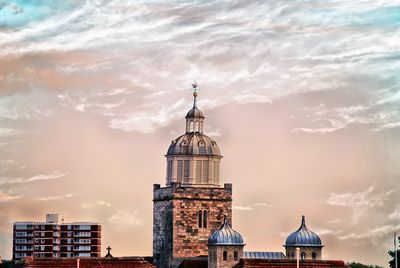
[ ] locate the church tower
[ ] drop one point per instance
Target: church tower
(193, 203)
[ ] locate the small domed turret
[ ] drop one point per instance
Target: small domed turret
(309, 243)
(225, 235)
(225, 247)
(303, 236)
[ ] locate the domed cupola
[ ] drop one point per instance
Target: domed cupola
(303, 237)
(226, 236)
(193, 158)
(308, 242)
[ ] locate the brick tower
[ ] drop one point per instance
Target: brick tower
(193, 204)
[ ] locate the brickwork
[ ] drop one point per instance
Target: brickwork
(176, 233)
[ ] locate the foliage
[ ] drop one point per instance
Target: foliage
(391, 262)
(361, 265)
(391, 254)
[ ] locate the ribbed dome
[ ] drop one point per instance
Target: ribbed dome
(225, 236)
(194, 112)
(303, 237)
(194, 143)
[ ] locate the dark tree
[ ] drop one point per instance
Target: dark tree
(391, 254)
(391, 262)
(361, 265)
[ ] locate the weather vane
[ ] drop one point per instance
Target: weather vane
(194, 88)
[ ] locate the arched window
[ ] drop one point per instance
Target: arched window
(314, 256)
(205, 218)
(303, 255)
(225, 255)
(179, 171)
(191, 126)
(235, 256)
(200, 220)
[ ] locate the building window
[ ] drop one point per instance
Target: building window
(225, 256)
(169, 169)
(21, 234)
(235, 256)
(83, 227)
(205, 171)
(303, 255)
(216, 170)
(186, 164)
(198, 170)
(205, 217)
(191, 126)
(20, 255)
(179, 175)
(200, 222)
(20, 227)
(314, 256)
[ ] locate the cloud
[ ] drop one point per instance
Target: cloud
(6, 132)
(351, 199)
(324, 232)
(251, 98)
(5, 197)
(40, 177)
(362, 203)
(123, 220)
(29, 104)
(372, 233)
(147, 122)
(251, 207)
(395, 215)
(57, 197)
(98, 203)
(45, 177)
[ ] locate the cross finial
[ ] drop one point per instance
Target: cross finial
(109, 252)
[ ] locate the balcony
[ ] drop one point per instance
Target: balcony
(23, 248)
(82, 248)
(82, 234)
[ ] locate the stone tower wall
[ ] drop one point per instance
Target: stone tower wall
(176, 234)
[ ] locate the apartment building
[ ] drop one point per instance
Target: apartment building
(54, 239)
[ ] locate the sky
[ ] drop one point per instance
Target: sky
(303, 98)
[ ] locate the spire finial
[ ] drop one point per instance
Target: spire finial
(226, 223)
(194, 89)
(303, 220)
